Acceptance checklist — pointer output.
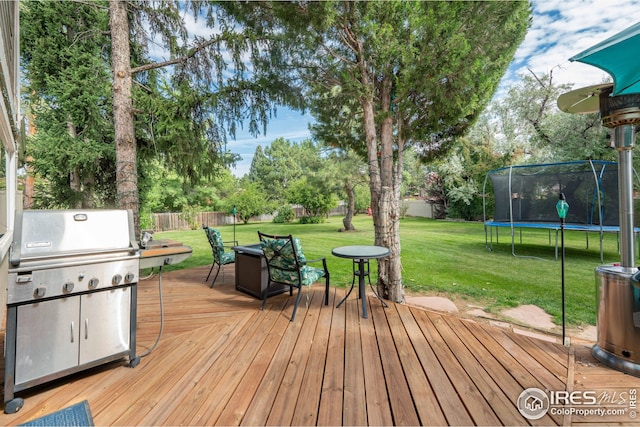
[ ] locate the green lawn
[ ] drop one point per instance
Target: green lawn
(451, 259)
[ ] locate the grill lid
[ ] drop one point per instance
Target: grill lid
(57, 233)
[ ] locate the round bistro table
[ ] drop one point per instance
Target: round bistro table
(361, 254)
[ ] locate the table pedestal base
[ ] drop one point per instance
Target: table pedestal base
(360, 272)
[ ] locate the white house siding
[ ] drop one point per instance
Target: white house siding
(9, 129)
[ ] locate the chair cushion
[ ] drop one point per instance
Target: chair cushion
(279, 252)
(308, 274)
(311, 275)
(217, 247)
(282, 263)
(227, 257)
(216, 237)
(299, 254)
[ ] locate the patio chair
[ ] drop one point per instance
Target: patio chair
(287, 265)
(220, 256)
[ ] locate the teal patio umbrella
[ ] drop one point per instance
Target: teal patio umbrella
(619, 56)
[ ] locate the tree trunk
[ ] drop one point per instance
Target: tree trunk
(384, 183)
(388, 228)
(351, 207)
(74, 175)
(82, 187)
(395, 288)
(384, 203)
(88, 185)
(74, 185)
(126, 167)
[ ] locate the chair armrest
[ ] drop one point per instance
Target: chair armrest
(323, 259)
(235, 243)
(223, 247)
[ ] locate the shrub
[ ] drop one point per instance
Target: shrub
(190, 215)
(249, 202)
(311, 220)
(147, 220)
(285, 214)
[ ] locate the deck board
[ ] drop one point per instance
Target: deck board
(308, 402)
(477, 369)
(290, 390)
(353, 400)
(400, 399)
(503, 382)
(222, 361)
(192, 393)
(377, 401)
(468, 390)
(517, 367)
(330, 410)
(442, 397)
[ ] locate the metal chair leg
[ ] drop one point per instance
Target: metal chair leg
(295, 306)
(265, 293)
(216, 276)
(210, 270)
(326, 290)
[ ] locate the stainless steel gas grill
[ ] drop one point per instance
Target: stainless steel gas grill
(71, 295)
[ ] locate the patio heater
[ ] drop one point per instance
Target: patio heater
(617, 285)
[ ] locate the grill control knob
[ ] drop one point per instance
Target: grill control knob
(129, 277)
(40, 292)
(67, 287)
(93, 283)
(116, 279)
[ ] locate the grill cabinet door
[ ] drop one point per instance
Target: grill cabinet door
(46, 338)
(105, 324)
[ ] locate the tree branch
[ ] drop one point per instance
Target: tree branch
(92, 4)
(192, 52)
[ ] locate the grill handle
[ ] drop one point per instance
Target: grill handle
(15, 254)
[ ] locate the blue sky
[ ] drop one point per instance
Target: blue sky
(559, 30)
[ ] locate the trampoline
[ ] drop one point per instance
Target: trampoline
(526, 196)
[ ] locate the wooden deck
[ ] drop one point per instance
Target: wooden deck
(222, 361)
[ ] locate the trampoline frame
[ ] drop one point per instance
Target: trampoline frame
(489, 225)
(601, 230)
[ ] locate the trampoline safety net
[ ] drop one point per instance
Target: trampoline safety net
(529, 193)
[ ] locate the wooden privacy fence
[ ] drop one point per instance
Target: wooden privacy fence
(169, 221)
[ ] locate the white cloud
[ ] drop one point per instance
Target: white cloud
(562, 29)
